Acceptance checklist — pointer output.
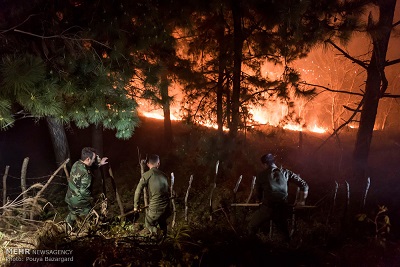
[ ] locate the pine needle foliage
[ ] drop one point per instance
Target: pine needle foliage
(6, 120)
(73, 74)
(22, 72)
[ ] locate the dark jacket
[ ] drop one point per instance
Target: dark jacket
(272, 184)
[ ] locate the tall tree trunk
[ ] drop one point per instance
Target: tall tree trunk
(221, 70)
(237, 65)
(58, 139)
(97, 139)
(374, 88)
(165, 99)
(97, 143)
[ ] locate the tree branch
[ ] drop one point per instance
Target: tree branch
(347, 55)
(254, 94)
(395, 24)
(201, 100)
(335, 132)
(350, 109)
(390, 96)
(332, 90)
(62, 37)
(392, 62)
(12, 28)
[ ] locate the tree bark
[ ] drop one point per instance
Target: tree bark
(5, 185)
(165, 99)
(237, 66)
(221, 70)
(97, 139)
(97, 143)
(23, 184)
(58, 139)
(372, 96)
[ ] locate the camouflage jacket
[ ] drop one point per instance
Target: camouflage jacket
(272, 184)
(157, 186)
(79, 183)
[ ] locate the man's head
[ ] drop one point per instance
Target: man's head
(88, 155)
(268, 159)
(153, 161)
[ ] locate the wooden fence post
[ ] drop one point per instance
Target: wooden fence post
(187, 196)
(335, 195)
(366, 192)
(117, 197)
(142, 164)
(253, 183)
(5, 185)
(173, 199)
(23, 183)
(236, 188)
(347, 194)
(214, 185)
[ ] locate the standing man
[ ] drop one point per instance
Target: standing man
(78, 196)
(157, 187)
(272, 191)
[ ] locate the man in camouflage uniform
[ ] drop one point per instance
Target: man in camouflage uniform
(157, 187)
(78, 195)
(272, 191)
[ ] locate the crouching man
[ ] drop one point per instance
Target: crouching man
(78, 195)
(156, 183)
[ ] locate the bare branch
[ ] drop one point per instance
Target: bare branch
(62, 37)
(332, 90)
(392, 62)
(351, 109)
(390, 96)
(396, 24)
(12, 28)
(335, 132)
(256, 93)
(347, 55)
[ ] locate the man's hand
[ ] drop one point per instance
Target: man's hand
(301, 198)
(103, 161)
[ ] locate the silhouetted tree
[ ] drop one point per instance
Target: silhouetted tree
(375, 88)
(68, 62)
(347, 19)
(231, 53)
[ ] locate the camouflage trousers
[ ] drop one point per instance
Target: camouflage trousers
(76, 214)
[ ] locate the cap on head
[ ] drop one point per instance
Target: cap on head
(268, 159)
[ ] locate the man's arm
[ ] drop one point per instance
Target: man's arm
(138, 191)
(85, 182)
(302, 185)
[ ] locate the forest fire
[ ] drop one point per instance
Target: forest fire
(157, 115)
(259, 116)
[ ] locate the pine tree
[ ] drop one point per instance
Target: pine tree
(159, 65)
(68, 62)
(248, 33)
